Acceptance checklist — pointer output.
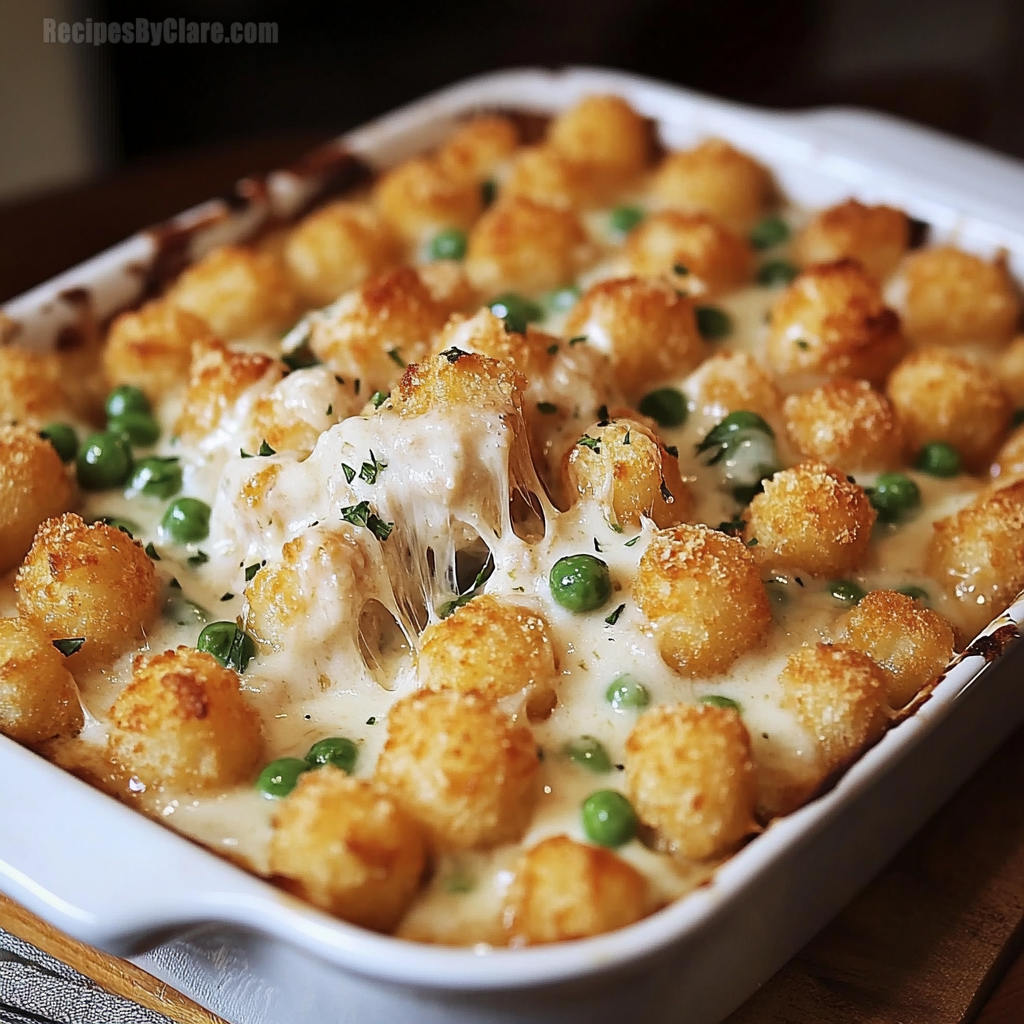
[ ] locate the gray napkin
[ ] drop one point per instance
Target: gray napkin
(37, 989)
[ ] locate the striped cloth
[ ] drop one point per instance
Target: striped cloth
(37, 989)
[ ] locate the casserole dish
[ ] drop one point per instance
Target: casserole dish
(695, 960)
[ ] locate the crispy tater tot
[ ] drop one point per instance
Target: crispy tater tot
(839, 696)
(978, 555)
(38, 697)
(703, 595)
(441, 382)
(729, 381)
(810, 517)
(715, 178)
(460, 767)
(374, 331)
(911, 642)
(1009, 369)
(848, 424)
(545, 175)
(337, 248)
(30, 387)
(954, 296)
(495, 648)
(698, 253)
(940, 396)
(182, 723)
(478, 147)
(875, 236)
(347, 847)
(566, 890)
(630, 472)
(646, 326)
(525, 246)
(33, 486)
(606, 133)
(832, 320)
(88, 581)
(690, 775)
(237, 291)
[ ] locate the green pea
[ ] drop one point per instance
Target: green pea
(337, 750)
(157, 477)
(846, 591)
(627, 693)
(716, 700)
(63, 438)
(562, 299)
(737, 422)
(917, 593)
(938, 459)
(139, 427)
(666, 406)
(623, 219)
(516, 311)
(580, 583)
(186, 520)
(104, 461)
(608, 818)
(776, 272)
(769, 232)
(713, 323)
(280, 777)
(588, 752)
(449, 244)
(231, 646)
(894, 495)
(126, 398)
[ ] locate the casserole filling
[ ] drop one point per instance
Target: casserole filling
(490, 555)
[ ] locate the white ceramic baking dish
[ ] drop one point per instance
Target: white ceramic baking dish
(106, 875)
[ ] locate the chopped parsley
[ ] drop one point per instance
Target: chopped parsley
(152, 552)
(265, 449)
(552, 349)
(363, 515)
(394, 356)
(481, 578)
(734, 527)
(227, 597)
(547, 408)
(69, 645)
(369, 471)
(630, 543)
(199, 558)
(378, 398)
(681, 269)
(251, 570)
(578, 340)
(586, 441)
(614, 617)
(350, 473)
(453, 354)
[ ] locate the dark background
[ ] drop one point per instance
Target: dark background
(178, 123)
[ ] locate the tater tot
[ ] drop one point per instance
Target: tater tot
(478, 147)
(875, 236)
(626, 468)
(810, 517)
(460, 767)
(718, 179)
(1009, 461)
(693, 249)
(848, 424)
(218, 378)
(449, 286)
(420, 197)
(373, 331)
(1009, 369)
(729, 381)
(953, 296)
(839, 696)
(38, 697)
(346, 847)
(647, 328)
(182, 723)
(940, 396)
(911, 642)
(605, 132)
(495, 648)
(525, 246)
(88, 581)
(468, 379)
(703, 595)
(152, 346)
(978, 555)
(30, 387)
(544, 175)
(566, 890)
(690, 775)
(33, 486)
(237, 291)
(832, 320)
(337, 248)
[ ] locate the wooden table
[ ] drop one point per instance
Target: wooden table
(934, 939)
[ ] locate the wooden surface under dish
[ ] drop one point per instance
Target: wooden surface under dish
(926, 942)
